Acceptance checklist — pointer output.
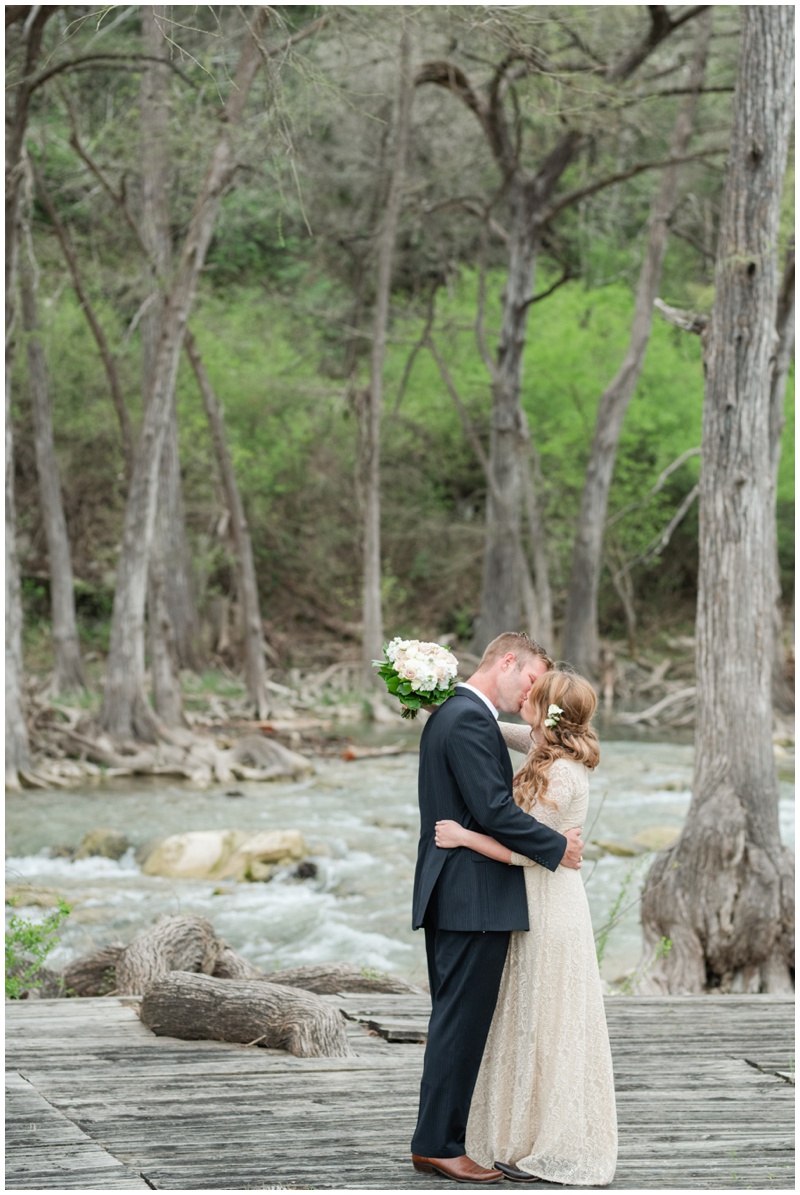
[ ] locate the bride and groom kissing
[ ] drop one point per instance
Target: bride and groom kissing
(517, 1080)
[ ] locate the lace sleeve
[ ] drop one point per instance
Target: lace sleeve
(560, 790)
(517, 738)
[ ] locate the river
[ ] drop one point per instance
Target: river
(360, 822)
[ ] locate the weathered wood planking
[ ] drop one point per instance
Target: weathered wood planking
(35, 1130)
(701, 1100)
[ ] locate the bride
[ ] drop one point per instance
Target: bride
(543, 1106)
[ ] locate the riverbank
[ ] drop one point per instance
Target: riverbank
(95, 1101)
(317, 708)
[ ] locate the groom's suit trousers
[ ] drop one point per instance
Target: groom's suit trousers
(464, 969)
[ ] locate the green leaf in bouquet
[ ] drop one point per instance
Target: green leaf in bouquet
(405, 688)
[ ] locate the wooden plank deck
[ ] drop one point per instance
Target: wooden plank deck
(705, 1096)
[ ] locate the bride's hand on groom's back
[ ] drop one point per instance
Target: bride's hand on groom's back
(449, 834)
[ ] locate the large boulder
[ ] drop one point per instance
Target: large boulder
(223, 854)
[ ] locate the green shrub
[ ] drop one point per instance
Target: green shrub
(27, 945)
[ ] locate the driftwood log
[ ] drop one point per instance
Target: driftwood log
(93, 974)
(250, 1011)
(176, 943)
(194, 986)
(330, 978)
(231, 965)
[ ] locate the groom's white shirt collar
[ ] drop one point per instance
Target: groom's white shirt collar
(495, 712)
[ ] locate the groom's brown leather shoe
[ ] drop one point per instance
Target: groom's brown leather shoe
(460, 1170)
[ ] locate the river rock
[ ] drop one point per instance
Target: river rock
(109, 844)
(26, 896)
(194, 855)
(256, 858)
(622, 849)
(223, 854)
(656, 838)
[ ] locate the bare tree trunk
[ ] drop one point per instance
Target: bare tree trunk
(724, 894)
(18, 755)
(66, 649)
(172, 618)
(541, 614)
(581, 632)
(782, 697)
(370, 447)
(255, 670)
(35, 19)
(501, 588)
(125, 711)
(164, 667)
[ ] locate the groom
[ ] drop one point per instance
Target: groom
(466, 902)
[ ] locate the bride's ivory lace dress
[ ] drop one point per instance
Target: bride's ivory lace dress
(544, 1099)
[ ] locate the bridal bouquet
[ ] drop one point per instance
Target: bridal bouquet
(417, 673)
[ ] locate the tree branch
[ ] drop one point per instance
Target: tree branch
(492, 121)
(661, 26)
(117, 198)
(684, 91)
(90, 60)
(421, 343)
(307, 31)
(612, 179)
(473, 207)
(466, 422)
(660, 542)
(567, 276)
(689, 321)
(662, 480)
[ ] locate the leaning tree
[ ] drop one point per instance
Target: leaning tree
(724, 893)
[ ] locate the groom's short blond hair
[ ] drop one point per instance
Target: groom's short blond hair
(517, 642)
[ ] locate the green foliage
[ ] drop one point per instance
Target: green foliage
(282, 317)
(28, 943)
(617, 910)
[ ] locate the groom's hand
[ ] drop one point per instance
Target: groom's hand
(573, 855)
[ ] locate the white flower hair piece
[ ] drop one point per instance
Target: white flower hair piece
(554, 713)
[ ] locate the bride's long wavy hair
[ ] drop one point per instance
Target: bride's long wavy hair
(572, 738)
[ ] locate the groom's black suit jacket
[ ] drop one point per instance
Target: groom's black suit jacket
(465, 774)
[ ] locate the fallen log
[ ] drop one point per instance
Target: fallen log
(250, 1012)
(328, 979)
(93, 974)
(351, 751)
(173, 943)
(231, 965)
(652, 713)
